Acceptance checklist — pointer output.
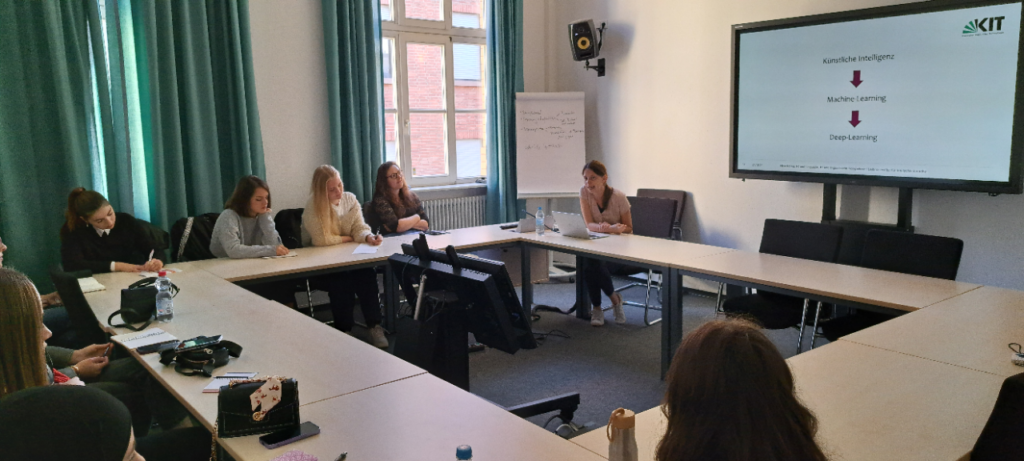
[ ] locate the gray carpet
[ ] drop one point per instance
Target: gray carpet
(611, 366)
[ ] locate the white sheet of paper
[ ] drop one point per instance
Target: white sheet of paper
(135, 340)
(289, 255)
(154, 274)
(365, 249)
(89, 285)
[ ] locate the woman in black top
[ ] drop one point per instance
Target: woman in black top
(395, 209)
(100, 240)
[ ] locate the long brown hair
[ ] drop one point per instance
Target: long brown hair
(731, 397)
(321, 175)
(598, 168)
(22, 360)
(404, 199)
(82, 204)
(246, 188)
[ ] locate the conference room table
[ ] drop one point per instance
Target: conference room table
(335, 370)
(367, 402)
(871, 404)
(826, 282)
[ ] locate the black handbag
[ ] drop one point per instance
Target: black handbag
(138, 304)
(201, 361)
(236, 416)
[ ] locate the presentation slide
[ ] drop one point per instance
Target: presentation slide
(919, 96)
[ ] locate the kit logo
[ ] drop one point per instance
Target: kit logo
(977, 26)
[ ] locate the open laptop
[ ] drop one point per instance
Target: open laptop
(572, 225)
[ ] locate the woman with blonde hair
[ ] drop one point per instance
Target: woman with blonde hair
(332, 217)
(26, 361)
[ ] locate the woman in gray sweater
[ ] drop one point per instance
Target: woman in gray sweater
(245, 229)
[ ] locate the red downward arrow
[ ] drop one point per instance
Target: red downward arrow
(856, 79)
(856, 119)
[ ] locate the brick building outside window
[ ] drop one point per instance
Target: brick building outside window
(435, 74)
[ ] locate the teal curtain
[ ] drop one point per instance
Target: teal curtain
(505, 69)
(46, 104)
(197, 100)
(355, 97)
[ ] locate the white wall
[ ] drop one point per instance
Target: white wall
(291, 87)
(660, 118)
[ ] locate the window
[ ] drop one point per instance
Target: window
(434, 65)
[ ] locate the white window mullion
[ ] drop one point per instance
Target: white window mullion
(449, 83)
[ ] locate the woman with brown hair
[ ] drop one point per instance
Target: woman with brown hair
(245, 229)
(731, 397)
(96, 238)
(332, 217)
(395, 209)
(604, 210)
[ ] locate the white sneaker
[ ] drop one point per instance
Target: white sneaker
(377, 337)
(620, 315)
(596, 316)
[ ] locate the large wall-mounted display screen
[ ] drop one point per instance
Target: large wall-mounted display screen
(922, 95)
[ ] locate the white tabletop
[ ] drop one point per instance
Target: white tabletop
(420, 418)
(971, 331)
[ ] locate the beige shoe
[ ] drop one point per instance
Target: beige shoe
(597, 316)
(377, 337)
(620, 315)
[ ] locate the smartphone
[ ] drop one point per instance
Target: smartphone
(282, 438)
(199, 342)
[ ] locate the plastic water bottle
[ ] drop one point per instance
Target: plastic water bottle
(464, 453)
(164, 301)
(540, 220)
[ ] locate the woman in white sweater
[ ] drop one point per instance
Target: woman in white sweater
(331, 217)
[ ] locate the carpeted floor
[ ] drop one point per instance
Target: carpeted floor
(611, 366)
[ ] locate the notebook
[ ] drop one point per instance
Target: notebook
(138, 339)
(90, 284)
(225, 379)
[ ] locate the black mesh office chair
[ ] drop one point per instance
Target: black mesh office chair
(680, 198)
(1001, 438)
(925, 255)
(805, 240)
(652, 217)
(288, 223)
(86, 327)
(191, 236)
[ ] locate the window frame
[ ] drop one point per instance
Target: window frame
(404, 31)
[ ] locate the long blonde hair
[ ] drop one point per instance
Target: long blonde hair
(22, 358)
(321, 203)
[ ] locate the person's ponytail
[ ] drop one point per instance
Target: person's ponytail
(82, 203)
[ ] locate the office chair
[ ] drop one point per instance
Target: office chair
(680, 198)
(191, 236)
(652, 217)
(817, 242)
(925, 255)
(288, 223)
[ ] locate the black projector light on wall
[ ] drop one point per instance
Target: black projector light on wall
(585, 40)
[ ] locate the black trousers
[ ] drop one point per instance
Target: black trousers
(598, 275)
(192, 444)
(145, 398)
(343, 287)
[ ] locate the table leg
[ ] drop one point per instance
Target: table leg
(671, 317)
(527, 279)
(582, 296)
(390, 298)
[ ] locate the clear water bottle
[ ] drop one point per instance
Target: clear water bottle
(164, 301)
(540, 220)
(464, 453)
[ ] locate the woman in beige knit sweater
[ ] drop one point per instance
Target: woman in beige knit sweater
(332, 217)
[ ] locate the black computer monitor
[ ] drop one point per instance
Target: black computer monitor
(483, 287)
